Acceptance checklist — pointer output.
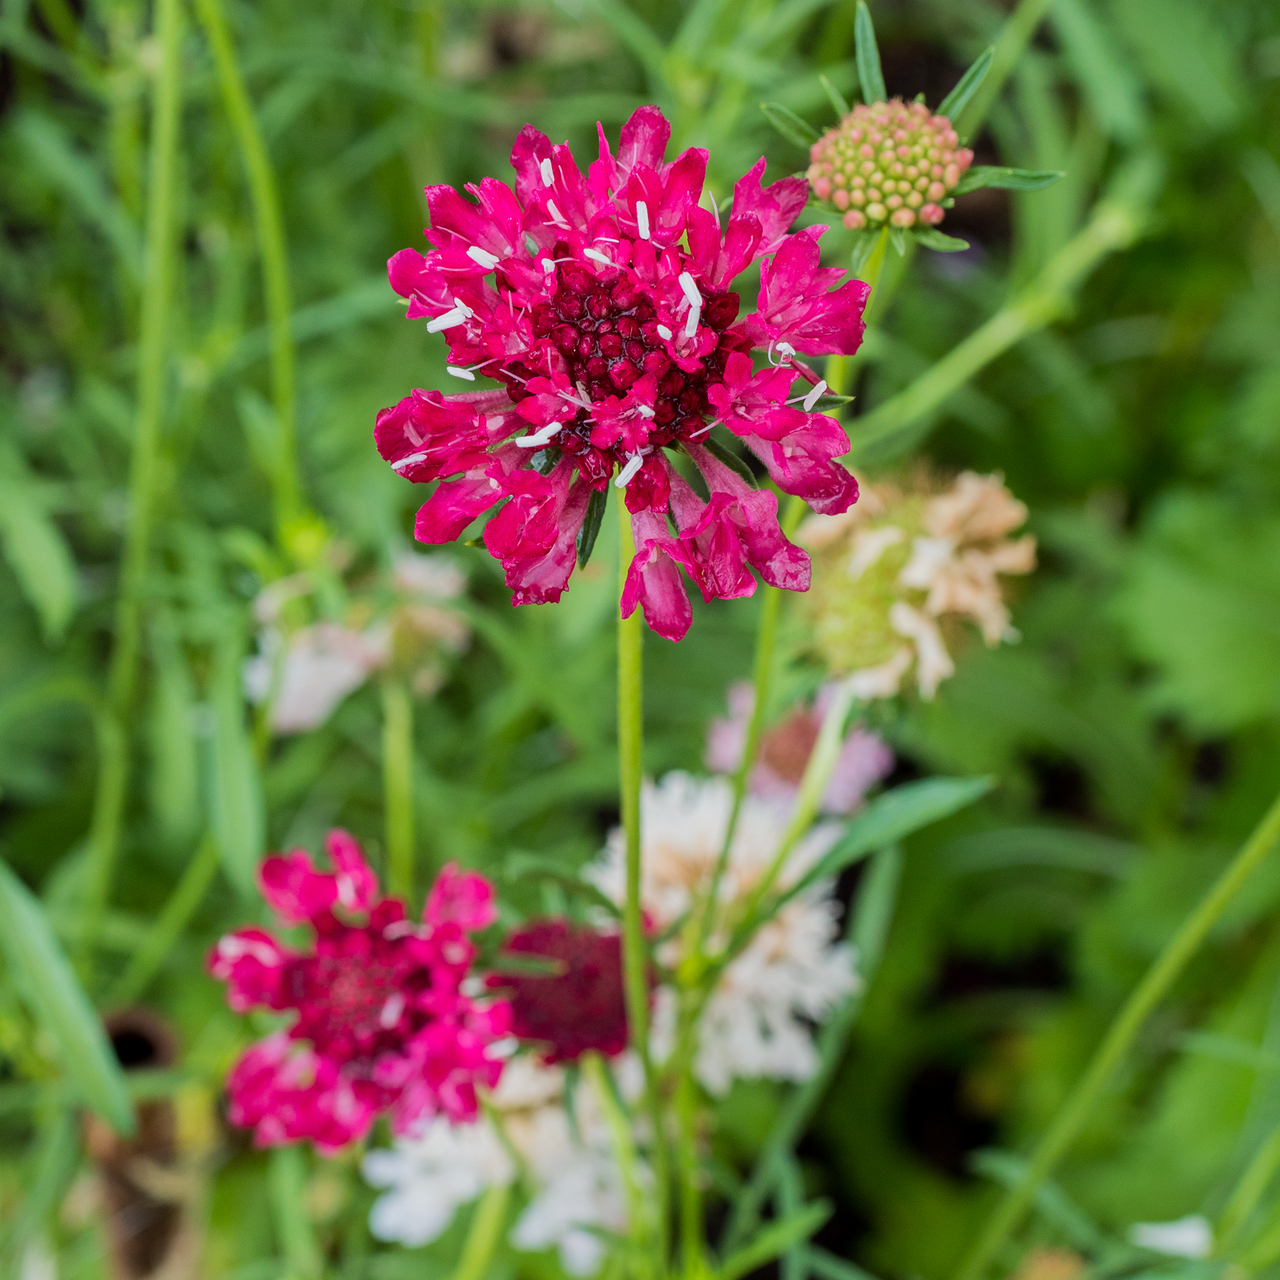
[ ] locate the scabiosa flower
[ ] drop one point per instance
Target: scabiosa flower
(603, 305)
(578, 1188)
(758, 1021)
(906, 563)
(785, 749)
(382, 1023)
(890, 162)
(582, 1006)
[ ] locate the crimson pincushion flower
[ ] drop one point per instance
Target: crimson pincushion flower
(580, 1007)
(603, 305)
(383, 1024)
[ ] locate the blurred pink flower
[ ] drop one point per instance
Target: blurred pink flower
(784, 751)
(382, 1023)
(611, 323)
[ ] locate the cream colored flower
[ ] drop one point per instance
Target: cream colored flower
(792, 973)
(893, 573)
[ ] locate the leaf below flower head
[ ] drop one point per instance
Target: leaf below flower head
(932, 238)
(591, 523)
(956, 101)
(835, 97)
(867, 57)
(990, 175)
(864, 245)
(730, 459)
(792, 127)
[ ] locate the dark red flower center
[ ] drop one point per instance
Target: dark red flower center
(581, 1007)
(606, 328)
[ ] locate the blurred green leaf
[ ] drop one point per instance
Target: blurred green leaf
(1111, 88)
(867, 56)
(590, 528)
(775, 1239)
(35, 548)
(932, 238)
(956, 101)
(791, 126)
(236, 805)
(835, 97)
(59, 1003)
(985, 175)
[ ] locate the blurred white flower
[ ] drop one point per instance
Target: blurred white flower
(426, 1179)
(1190, 1237)
(320, 666)
(794, 971)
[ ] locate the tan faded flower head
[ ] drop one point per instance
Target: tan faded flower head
(895, 575)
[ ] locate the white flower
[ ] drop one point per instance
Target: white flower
(434, 577)
(793, 970)
(579, 1188)
(1190, 1237)
(322, 664)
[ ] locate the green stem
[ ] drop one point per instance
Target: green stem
(173, 919)
(397, 782)
(485, 1232)
(154, 328)
(1116, 223)
(275, 267)
(839, 369)
(1141, 1002)
(1248, 1191)
(630, 771)
(624, 1147)
(686, 1107)
(287, 1187)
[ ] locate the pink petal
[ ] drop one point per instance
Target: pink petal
(643, 140)
(775, 207)
(653, 581)
(544, 578)
(461, 897)
(454, 505)
(357, 886)
(294, 889)
(252, 964)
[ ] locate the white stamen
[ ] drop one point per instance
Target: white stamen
(543, 435)
(462, 306)
(482, 257)
(812, 398)
(556, 216)
(596, 256)
(465, 374)
(685, 281)
(450, 320)
(410, 460)
(548, 177)
(392, 1010)
(628, 472)
(786, 348)
(644, 411)
(664, 333)
(642, 219)
(548, 266)
(691, 324)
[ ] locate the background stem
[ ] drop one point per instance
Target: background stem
(397, 782)
(1144, 998)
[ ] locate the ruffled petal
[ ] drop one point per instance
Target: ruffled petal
(454, 505)
(653, 581)
(294, 889)
(775, 207)
(357, 886)
(544, 578)
(463, 898)
(252, 964)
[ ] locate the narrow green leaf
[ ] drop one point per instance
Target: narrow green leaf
(790, 125)
(58, 1002)
(173, 783)
(775, 1239)
(35, 548)
(898, 238)
(835, 97)
(889, 818)
(956, 101)
(1056, 1206)
(729, 458)
(990, 175)
(864, 245)
(827, 1266)
(867, 57)
(932, 238)
(545, 460)
(236, 806)
(590, 528)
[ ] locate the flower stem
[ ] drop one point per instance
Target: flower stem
(630, 771)
(397, 783)
(154, 334)
(173, 918)
(1248, 1191)
(275, 267)
(485, 1232)
(624, 1147)
(1141, 1002)
(686, 1100)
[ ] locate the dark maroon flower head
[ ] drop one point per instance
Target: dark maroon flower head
(603, 304)
(580, 1007)
(382, 1023)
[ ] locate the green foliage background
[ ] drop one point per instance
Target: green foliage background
(1135, 730)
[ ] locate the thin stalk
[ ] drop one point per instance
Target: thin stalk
(839, 369)
(397, 784)
(275, 266)
(624, 1147)
(630, 771)
(154, 329)
(692, 1242)
(287, 1188)
(486, 1230)
(1115, 224)
(172, 920)
(1140, 1004)
(1248, 1191)
(1014, 37)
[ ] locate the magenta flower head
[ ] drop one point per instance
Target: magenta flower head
(603, 305)
(580, 1007)
(383, 1024)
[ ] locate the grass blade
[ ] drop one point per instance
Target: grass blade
(956, 101)
(59, 1004)
(867, 57)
